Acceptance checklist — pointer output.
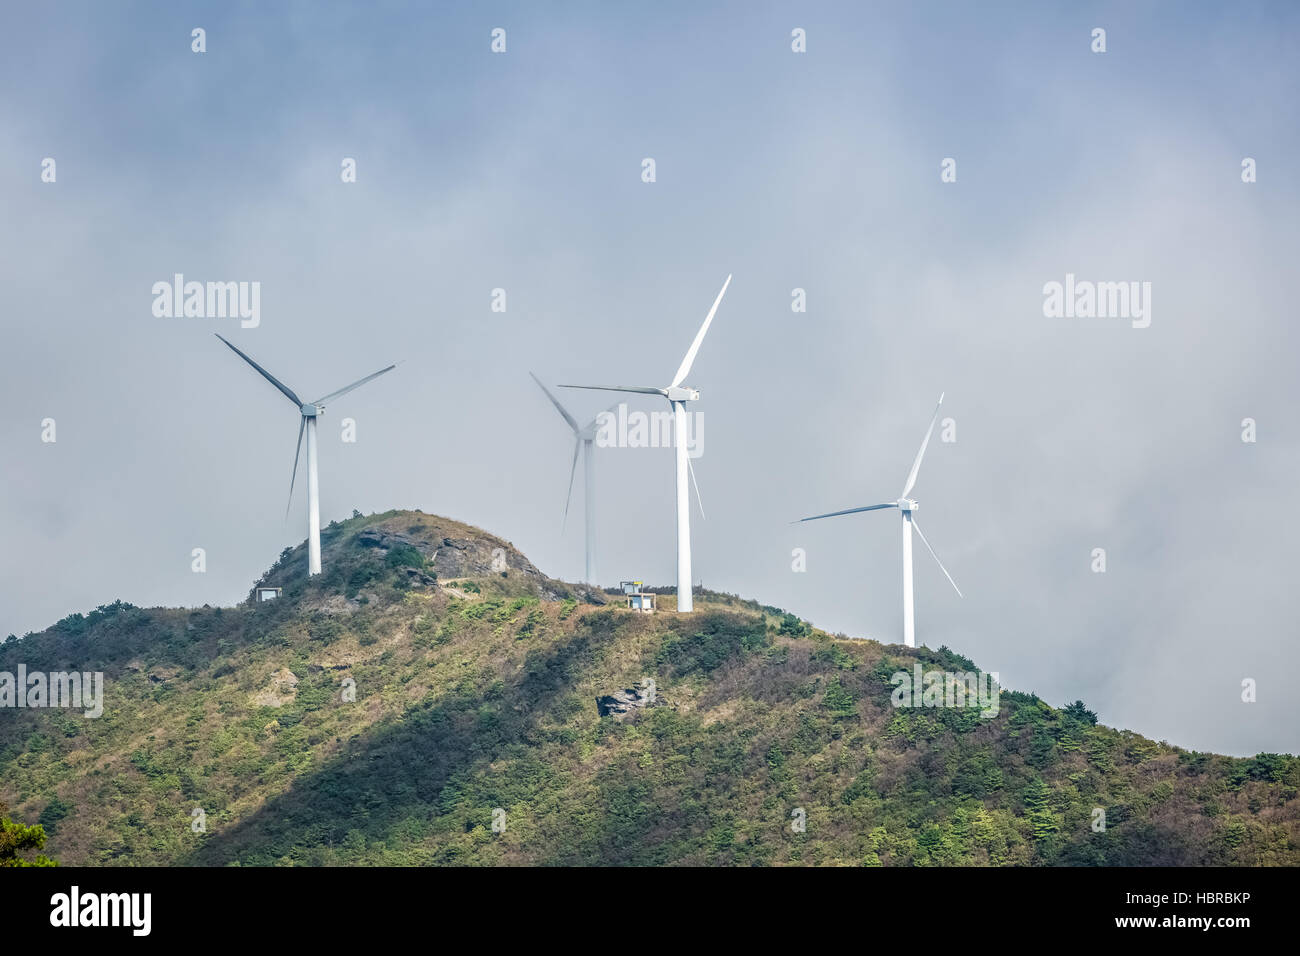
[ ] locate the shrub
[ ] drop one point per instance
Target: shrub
(404, 556)
(792, 626)
(720, 639)
(839, 701)
(54, 811)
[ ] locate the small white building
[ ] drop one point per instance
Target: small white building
(641, 602)
(637, 599)
(267, 594)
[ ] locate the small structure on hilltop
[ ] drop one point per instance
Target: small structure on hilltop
(267, 594)
(637, 599)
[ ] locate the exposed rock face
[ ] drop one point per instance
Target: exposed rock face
(158, 674)
(279, 691)
(453, 557)
(451, 550)
(419, 579)
(623, 702)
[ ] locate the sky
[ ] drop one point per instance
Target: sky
(820, 170)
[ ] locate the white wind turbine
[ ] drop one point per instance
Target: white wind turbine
(309, 412)
(907, 506)
(583, 439)
(678, 395)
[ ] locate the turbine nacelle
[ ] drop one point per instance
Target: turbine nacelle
(682, 393)
(906, 504)
(311, 411)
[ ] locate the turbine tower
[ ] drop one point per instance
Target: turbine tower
(309, 412)
(678, 395)
(583, 439)
(908, 508)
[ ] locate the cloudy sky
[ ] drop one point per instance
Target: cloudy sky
(820, 170)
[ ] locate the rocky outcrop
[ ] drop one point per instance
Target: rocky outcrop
(449, 557)
(451, 550)
(281, 690)
(623, 702)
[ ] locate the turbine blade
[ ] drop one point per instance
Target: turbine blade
(685, 368)
(917, 527)
(556, 402)
(644, 390)
(851, 511)
(569, 495)
(916, 465)
(285, 389)
(698, 499)
(612, 410)
(357, 384)
(302, 425)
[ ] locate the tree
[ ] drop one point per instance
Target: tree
(1080, 712)
(16, 838)
(793, 626)
(839, 701)
(1038, 804)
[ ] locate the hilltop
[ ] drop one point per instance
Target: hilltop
(382, 713)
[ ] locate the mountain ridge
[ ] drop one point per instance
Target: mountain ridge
(475, 735)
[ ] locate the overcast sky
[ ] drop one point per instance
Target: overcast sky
(820, 170)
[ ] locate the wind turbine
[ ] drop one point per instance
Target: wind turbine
(678, 395)
(583, 439)
(908, 508)
(309, 412)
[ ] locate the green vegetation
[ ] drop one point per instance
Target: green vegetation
(16, 840)
(404, 556)
(475, 691)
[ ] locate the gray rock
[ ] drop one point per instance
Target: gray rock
(624, 702)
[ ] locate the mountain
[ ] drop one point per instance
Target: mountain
(486, 693)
